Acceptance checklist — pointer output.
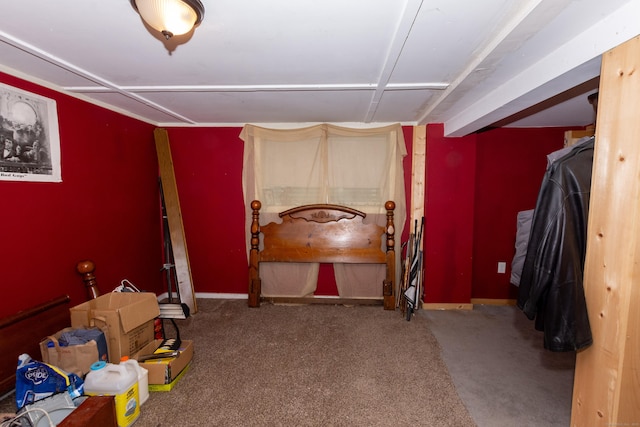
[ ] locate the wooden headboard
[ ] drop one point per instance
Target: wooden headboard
(22, 333)
(323, 234)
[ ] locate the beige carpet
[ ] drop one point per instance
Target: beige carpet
(311, 365)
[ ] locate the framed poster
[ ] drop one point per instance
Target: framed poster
(29, 137)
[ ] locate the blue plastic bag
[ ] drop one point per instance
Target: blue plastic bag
(36, 380)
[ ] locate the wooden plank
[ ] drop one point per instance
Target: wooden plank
(446, 306)
(418, 173)
(174, 216)
(493, 301)
(607, 385)
(573, 136)
(418, 186)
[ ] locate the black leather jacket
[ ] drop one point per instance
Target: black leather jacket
(551, 288)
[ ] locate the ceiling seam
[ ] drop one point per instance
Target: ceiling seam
(264, 88)
(409, 16)
(61, 63)
(80, 96)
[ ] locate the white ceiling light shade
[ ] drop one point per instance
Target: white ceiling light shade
(170, 17)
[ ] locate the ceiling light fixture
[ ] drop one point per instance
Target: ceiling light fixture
(170, 17)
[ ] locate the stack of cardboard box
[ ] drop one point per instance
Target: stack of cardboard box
(127, 318)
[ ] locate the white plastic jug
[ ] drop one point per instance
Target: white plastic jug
(143, 378)
(121, 381)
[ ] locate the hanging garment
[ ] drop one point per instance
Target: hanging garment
(551, 286)
(524, 217)
(523, 229)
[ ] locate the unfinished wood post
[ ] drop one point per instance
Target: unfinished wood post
(418, 187)
(418, 172)
(607, 378)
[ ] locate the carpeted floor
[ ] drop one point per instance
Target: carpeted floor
(311, 365)
(317, 365)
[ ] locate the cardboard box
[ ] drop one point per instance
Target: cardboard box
(165, 371)
(125, 317)
(169, 387)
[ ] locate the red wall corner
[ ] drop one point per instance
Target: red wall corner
(105, 209)
(510, 166)
(449, 210)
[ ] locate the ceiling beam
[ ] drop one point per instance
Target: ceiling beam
(492, 44)
(572, 63)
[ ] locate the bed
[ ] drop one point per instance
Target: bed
(322, 233)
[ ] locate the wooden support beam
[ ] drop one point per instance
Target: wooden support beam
(418, 173)
(418, 187)
(607, 379)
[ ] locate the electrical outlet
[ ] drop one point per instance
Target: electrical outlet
(502, 267)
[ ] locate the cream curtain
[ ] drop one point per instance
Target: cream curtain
(359, 168)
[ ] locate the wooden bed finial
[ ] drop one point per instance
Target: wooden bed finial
(86, 269)
(255, 224)
(390, 207)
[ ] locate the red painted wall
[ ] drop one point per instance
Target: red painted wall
(106, 209)
(449, 212)
(510, 164)
(208, 169)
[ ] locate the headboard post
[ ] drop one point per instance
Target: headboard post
(86, 269)
(387, 287)
(254, 278)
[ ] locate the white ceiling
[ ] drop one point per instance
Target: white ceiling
(466, 63)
